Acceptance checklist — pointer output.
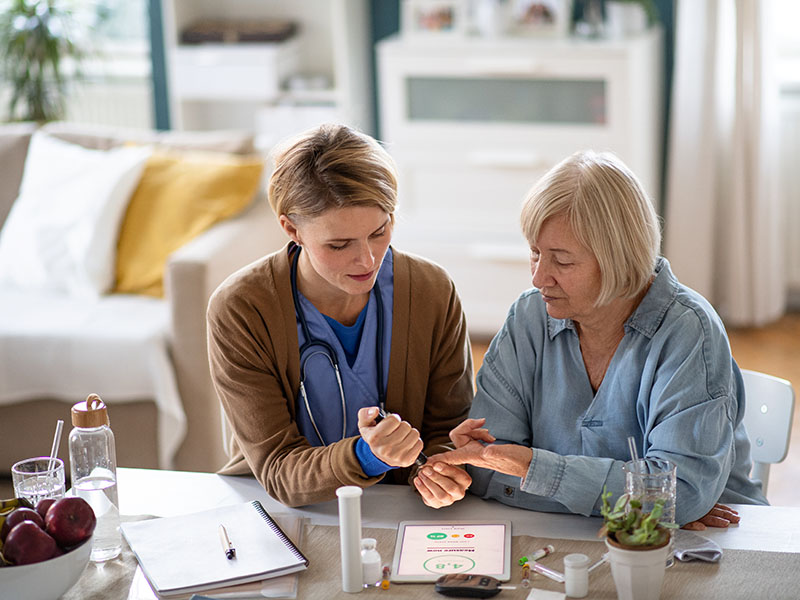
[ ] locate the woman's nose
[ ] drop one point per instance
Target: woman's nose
(540, 275)
(366, 257)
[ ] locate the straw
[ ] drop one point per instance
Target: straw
(634, 454)
(56, 442)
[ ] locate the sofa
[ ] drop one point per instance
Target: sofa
(144, 355)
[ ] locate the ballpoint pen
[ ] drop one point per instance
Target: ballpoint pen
(227, 546)
(382, 414)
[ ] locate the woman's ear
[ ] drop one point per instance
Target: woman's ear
(290, 229)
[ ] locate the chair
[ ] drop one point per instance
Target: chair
(768, 420)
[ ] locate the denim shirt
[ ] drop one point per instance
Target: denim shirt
(672, 384)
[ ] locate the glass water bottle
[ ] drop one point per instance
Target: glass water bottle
(93, 467)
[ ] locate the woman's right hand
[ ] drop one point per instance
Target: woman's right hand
(393, 440)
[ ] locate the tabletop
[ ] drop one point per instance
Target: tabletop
(164, 493)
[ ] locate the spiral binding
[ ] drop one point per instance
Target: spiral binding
(278, 531)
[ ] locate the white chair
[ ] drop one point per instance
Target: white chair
(768, 419)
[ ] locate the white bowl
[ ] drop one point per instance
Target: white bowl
(46, 580)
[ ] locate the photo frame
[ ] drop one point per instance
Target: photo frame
(541, 18)
(434, 18)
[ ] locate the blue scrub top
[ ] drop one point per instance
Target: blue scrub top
(359, 381)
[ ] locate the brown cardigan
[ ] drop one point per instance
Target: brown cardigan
(255, 366)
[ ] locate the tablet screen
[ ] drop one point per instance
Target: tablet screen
(426, 550)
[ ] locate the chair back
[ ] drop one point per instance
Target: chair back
(768, 415)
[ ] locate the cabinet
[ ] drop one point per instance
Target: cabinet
(273, 88)
(473, 123)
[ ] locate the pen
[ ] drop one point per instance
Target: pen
(382, 414)
(227, 546)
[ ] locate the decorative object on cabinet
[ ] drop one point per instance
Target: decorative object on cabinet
(628, 17)
(434, 17)
(232, 32)
(541, 17)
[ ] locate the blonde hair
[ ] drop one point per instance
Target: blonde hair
(331, 166)
(610, 214)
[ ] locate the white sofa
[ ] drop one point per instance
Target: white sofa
(163, 338)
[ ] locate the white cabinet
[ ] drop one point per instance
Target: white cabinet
(473, 123)
(246, 85)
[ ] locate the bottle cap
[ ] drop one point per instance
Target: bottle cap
(91, 413)
(576, 561)
(368, 543)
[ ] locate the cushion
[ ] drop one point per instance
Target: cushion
(61, 233)
(14, 140)
(179, 196)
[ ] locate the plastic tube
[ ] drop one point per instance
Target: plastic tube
(350, 537)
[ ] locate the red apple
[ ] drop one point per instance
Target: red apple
(28, 543)
(18, 515)
(43, 505)
(70, 520)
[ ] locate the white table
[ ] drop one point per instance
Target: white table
(165, 493)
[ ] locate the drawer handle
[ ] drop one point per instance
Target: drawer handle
(508, 160)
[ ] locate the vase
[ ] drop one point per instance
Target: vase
(638, 572)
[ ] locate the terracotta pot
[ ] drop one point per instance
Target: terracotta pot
(638, 572)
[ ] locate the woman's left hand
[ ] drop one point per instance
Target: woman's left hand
(441, 484)
(511, 459)
(719, 516)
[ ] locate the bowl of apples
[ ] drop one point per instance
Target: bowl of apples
(45, 549)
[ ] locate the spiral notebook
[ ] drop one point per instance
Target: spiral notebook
(185, 554)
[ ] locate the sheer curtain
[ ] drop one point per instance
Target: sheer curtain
(723, 233)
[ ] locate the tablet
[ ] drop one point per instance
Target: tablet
(426, 550)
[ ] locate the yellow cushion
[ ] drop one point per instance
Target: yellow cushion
(179, 196)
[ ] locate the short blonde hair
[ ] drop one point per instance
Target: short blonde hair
(331, 166)
(610, 214)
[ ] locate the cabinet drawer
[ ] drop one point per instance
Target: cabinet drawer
(246, 72)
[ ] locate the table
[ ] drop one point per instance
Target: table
(165, 493)
(762, 555)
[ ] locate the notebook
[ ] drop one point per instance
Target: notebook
(185, 554)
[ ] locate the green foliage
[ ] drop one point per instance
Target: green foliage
(36, 36)
(630, 525)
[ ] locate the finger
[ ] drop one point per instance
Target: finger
(482, 435)
(712, 521)
(366, 416)
(720, 510)
(447, 473)
(436, 490)
(427, 496)
(694, 526)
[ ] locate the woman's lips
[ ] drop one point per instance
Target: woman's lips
(364, 277)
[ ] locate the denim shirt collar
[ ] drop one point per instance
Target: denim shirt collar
(651, 310)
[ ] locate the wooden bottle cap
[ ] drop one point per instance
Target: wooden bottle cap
(91, 413)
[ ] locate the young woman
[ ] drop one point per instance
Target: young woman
(308, 343)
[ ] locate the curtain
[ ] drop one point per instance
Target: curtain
(723, 232)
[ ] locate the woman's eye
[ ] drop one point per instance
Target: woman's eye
(337, 246)
(380, 233)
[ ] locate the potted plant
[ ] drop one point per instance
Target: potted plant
(38, 38)
(638, 546)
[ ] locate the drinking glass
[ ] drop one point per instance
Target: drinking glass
(38, 478)
(651, 479)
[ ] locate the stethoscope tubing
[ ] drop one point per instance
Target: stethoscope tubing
(330, 353)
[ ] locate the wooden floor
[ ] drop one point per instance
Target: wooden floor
(775, 350)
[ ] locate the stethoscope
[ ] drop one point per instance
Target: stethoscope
(326, 350)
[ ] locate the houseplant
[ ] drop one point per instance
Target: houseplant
(38, 39)
(638, 546)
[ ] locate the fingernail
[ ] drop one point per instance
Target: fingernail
(438, 468)
(373, 411)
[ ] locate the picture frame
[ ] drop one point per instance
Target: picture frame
(541, 18)
(434, 18)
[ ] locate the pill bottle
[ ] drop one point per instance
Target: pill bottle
(576, 575)
(370, 562)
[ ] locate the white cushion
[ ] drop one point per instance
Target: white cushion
(61, 233)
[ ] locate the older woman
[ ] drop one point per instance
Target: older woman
(608, 345)
(308, 343)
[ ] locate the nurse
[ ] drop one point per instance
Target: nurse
(307, 343)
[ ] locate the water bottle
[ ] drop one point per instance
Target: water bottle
(93, 467)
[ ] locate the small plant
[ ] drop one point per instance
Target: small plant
(630, 526)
